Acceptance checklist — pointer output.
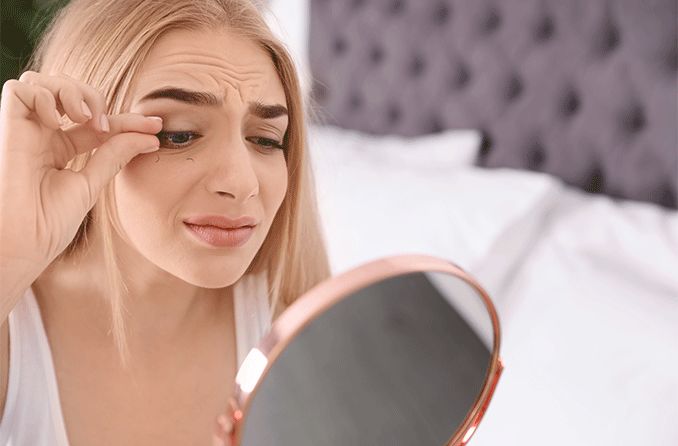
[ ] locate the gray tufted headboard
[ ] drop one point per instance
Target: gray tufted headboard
(581, 89)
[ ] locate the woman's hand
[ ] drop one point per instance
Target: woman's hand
(43, 203)
(223, 429)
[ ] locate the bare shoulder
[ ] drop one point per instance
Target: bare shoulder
(4, 364)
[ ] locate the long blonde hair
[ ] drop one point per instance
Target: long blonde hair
(104, 43)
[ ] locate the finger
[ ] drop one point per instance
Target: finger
(225, 423)
(83, 139)
(222, 431)
(232, 405)
(94, 99)
(110, 158)
(218, 437)
(67, 94)
(20, 100)
(216, 441)
(70, 96)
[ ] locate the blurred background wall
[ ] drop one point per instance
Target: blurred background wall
(22, 21)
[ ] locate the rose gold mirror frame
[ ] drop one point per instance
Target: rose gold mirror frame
(316, 301)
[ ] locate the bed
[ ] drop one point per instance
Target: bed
(534, 143)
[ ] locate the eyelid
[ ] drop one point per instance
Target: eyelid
(273, 142)
(162, 134)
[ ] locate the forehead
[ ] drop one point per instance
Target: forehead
(220, 62)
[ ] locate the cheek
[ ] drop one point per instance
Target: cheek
(278, 187)
(273, 188)
(146, 190)
(139, 169)
(138, 179)
(157, 175)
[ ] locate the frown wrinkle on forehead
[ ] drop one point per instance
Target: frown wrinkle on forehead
(219, 67)
(211, 62)
(208, 77)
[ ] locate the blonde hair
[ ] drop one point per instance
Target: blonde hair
(104, 43)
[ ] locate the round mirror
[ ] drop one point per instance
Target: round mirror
(403, 350)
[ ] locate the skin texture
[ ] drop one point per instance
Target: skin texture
(181, 332)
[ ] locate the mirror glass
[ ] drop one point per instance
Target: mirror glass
(401, 361)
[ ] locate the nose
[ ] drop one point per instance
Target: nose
(232, 170)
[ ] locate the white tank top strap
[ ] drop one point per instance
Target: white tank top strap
(251, 311)
(32, 408)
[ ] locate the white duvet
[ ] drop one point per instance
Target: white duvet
(590, 330)
(586, 287)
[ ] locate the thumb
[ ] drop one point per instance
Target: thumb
(217, 440)
(111, 157)
(222, 431)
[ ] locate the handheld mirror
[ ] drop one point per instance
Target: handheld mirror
(402, 350)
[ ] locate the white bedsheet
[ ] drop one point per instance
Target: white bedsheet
(586, 289)
(590, 330)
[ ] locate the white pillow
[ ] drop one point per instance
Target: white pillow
(381, 198)
(439, 151)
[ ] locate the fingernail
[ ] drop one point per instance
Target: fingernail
(58, 116)
(155, 118)
(104, 123)
(85, 109)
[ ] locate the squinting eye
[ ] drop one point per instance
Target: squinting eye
(266, 142)
(177, 139)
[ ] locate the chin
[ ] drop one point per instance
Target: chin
(221, 274)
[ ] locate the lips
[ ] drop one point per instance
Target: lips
(221, 221)
(221, 238)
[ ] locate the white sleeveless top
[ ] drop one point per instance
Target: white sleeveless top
(32, 414)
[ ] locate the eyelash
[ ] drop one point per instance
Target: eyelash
(267, 142)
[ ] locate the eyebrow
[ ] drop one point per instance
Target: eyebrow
(190, 97)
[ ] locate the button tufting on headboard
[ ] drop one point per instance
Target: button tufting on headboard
(393, 114)
(396, 6)
(417, 65)
(461, 76)
(570, 103)
(355, 101)
(544, 30)
(606, 39)
(633, 118)
(340, 46)
(666, 196)
(536, 155)
(581, 89)
(596, 181)
(514, 87)
(441, 14)
(671, 59)
(436, 124)
(376, 54)
(485, 144)
(491, 22)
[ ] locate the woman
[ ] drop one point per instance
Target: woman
(126, 312)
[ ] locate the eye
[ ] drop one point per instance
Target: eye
(177, 139)
(266, 142)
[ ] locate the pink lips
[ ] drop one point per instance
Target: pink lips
(219, 237)
(221, 221)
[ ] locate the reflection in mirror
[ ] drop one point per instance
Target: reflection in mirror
(465, 301)
(401, 361)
